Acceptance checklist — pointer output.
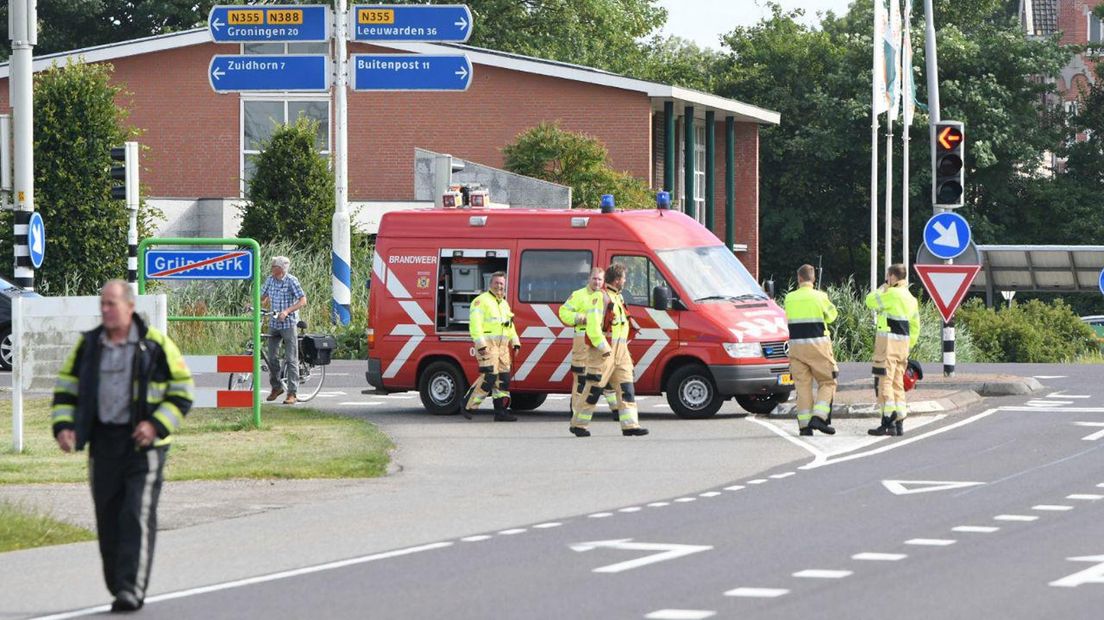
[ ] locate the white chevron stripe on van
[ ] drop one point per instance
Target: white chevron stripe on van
(547, 334)
(660, 337)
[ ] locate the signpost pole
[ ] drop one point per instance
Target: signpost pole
(23, 31)
(342, 254)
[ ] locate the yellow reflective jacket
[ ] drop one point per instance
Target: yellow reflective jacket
(491, 317)
(573, 312)
(899, 313)
(808, 313)
(607, 312)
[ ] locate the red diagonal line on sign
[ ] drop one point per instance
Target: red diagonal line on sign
(202, 263)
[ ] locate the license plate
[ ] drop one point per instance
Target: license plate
(785, 379)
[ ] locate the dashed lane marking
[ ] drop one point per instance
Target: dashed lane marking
(681, 614)
(1049, 377)
(710, 494)
(930, 542)
(1088, 497)
(1052, 507)
(976, 529)
(545, 526)
(629, 509)
(879, 557)
(1016, 518)
(683, 500)
(737, 487)
(600, 515)
(757, 481)
(757, 592)
(783, 475)
(820, 573)
(476, 538)
(516, 530)
(658, 504)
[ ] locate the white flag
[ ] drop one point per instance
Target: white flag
(893, 59)
(908, 90)
(878, 97)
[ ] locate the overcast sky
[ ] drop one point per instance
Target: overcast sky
(704, 21)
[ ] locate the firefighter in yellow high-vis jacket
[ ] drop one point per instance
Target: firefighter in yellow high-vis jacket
(900, 332)
(808, 314)
(491, 326)
(573, 314)
(608, 360)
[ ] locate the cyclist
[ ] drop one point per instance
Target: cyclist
(283, 294)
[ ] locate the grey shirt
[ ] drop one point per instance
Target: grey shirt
(116, 364)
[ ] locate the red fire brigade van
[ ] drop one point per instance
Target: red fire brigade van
(705, 330)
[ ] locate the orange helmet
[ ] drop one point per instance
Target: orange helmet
(913, 373)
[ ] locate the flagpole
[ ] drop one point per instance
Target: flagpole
(889, 192)
(874, 201)
(908, 96)
(877, 105)
(905, 196)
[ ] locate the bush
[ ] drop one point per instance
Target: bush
(1028, 332)
(578, 161)
(291, 194)
(76, 122)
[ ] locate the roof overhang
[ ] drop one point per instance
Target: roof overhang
(659, 93)
(1040, 268)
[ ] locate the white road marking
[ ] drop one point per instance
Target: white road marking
(1048, 403)
(545, 526)
(680, 614)
(667, 551)
(629, 509)
(930, 542)
(899, 444)
(818, 573)
(910, 487)
(659, 504)
(517, 530)
(1052, 507)
(879, 557)
(784, 475)
(818, 455)
(600, 515)
(1061, 395)
(661, 405)
(556, 397)
(1015, 518)
(398, 396)
(757, 481)
(684, 500)
(710, 494)
(356, 403)
(737, 487)
(976, 529)
(1055, 409)
(1100, 486)
(1089, 497)
(476, 538)
(1049, 377)
(757, 592)
(1092, 436)
(261, 579)
(1094, 574)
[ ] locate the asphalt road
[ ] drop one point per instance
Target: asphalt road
(995, 513)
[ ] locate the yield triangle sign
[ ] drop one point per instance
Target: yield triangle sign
(947, 285)
(909, 487)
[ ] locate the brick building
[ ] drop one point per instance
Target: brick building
(1075, 24)
(200, 145)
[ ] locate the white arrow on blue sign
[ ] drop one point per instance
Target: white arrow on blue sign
(946, 235)
(295, 23)
(1101, 281)
(278, 73)
(411, 22)
(36, 239)
(199, 265)
(422, 72)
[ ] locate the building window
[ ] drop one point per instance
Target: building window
(699, 173)
(640, 278)
(550, 276)
(1095, 28)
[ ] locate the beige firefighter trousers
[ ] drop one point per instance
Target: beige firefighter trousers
(616, 372)
(811, 362)
(494, 372)
(579, 353)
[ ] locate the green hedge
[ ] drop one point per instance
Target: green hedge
(1028, 332)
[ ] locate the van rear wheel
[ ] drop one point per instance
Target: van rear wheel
(526, 402)
(692, 393)
(441, 387)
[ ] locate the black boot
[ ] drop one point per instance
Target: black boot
(887, 428)
(464, 406)
(806, 432)
(822, 426)
(634, 432)
(900, 427)
(579, 431)
(501, 415)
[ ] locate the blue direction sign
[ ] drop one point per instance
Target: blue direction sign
(255, 73)
(1101, 281)
(242, 24)
(410, 72)
(36, 239)
(199, 265)
(946, 235)
(410, 22)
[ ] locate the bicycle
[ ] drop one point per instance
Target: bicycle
(311, 375)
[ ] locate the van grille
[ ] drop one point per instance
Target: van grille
(776, 350)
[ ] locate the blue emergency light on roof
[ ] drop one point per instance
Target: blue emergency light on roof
(663, 200)
(607, 203)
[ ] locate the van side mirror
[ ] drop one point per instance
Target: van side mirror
(770, 288)
(661, 298)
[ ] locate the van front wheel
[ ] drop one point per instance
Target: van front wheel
(441, 388)
(692, 393)
(761, 404)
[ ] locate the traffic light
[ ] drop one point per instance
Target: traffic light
(127, 155)
(948, 170)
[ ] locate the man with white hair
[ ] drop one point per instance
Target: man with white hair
(282, 293)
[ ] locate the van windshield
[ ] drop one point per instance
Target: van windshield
(711, 273)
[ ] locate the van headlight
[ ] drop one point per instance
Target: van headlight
(743, 349)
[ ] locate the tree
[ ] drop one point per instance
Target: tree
(578, 161)
(76, 122)
(291, 194)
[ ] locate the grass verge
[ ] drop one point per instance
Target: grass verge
(22, 528)
(217, 444)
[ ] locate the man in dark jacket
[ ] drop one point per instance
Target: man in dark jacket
(124, 389)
